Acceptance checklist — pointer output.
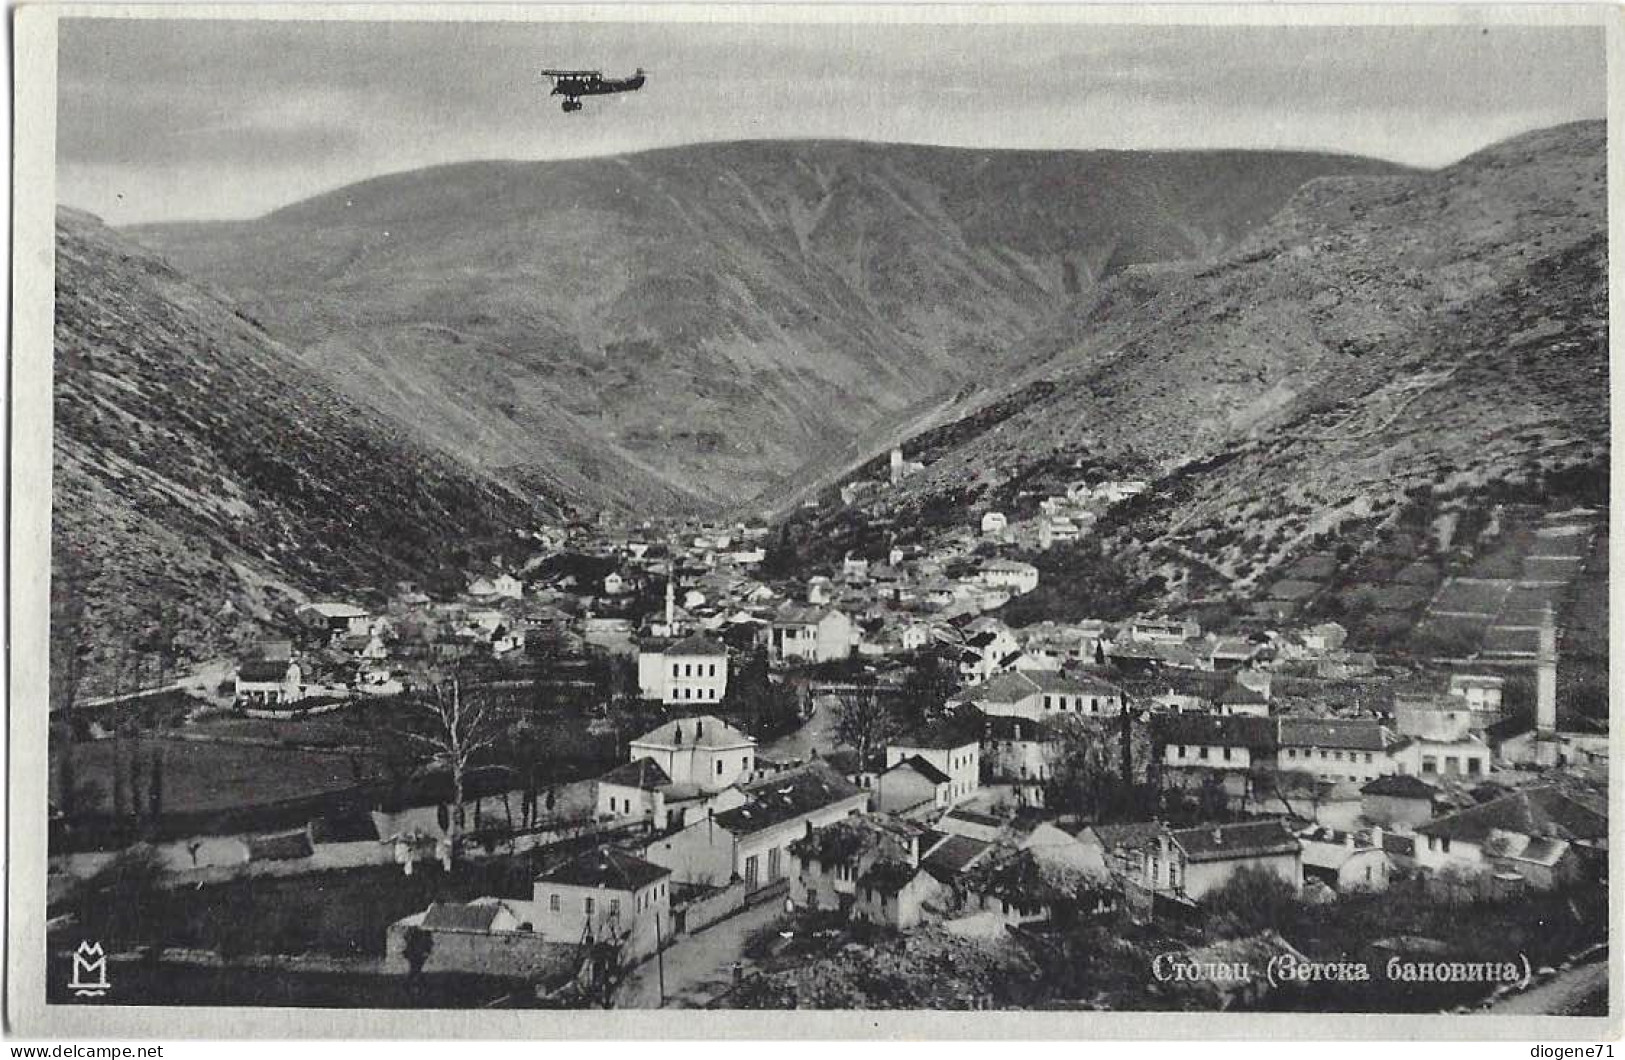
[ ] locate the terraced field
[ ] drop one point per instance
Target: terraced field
(1498, 618)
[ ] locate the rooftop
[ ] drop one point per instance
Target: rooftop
(706, 730)
(644, 773)
(1358, 734)
(786, 796)
(954, 855)
(1216, 731)
(942, 734)
(605, 867)
(698, 644)
(852, 837)
(923, 768)
(1542, 811)
(1248, 839)
(262, 670)
(456, 916)
(1400, 785)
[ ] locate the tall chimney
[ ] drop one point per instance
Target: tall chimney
(1546, 674)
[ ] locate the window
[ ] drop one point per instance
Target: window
(1473, 766)
(1227, 754)
(744, 763)
(1430, 764)
(587, 905)
(1182, 750)
(1444, 844)
(674, 669)
(614, 907)
(552, 903)
(1368, 758)
(719, 767)
(1201, 752)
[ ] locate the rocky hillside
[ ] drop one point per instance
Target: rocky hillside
(1380, 338)
(685, 328)
(204, 478)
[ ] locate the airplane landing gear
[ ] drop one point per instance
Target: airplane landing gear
(571, 105)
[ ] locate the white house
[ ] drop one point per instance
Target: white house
(266, 682)
(1014, 575)
(1039, 695)
(633, 789)
(810, 634)
(1163, 630)
(604, 894)
(1191, 862)
(704, 752)
(1466, 759)
(692, 671)
(1336, 750)
(1346, 861)
(751, 842)
(1056, 530)
(1530, 832)
(336, 619)
(994, 523)
(1482, 694)
(952, 748)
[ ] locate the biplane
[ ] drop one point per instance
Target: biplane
(573, 84)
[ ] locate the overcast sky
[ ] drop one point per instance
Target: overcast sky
(164, 120)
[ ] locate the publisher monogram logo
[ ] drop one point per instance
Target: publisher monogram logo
(89, 970)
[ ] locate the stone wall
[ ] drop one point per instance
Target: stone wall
(521, 954)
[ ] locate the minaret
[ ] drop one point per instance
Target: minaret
(671, 600)
(1546, 690)
(896, 464)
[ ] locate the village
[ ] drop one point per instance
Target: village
(628, 766)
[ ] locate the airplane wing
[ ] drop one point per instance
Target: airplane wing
(571, 73)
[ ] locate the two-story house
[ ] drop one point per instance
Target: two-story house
(689, 672)
(1022, 754)
(834, 865)
(951, 746)
(601, 895)
(751, 842)
(1191, 862)
(1229, 743)
(801, 633)
(704, 752)
(1352, 751)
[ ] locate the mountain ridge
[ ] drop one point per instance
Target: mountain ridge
(691, 325)
(1443, 333)
(203, 482)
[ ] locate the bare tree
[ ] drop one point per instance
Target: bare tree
(455, 731)
(864, 723)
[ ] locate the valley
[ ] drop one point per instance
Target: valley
(686, 330)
